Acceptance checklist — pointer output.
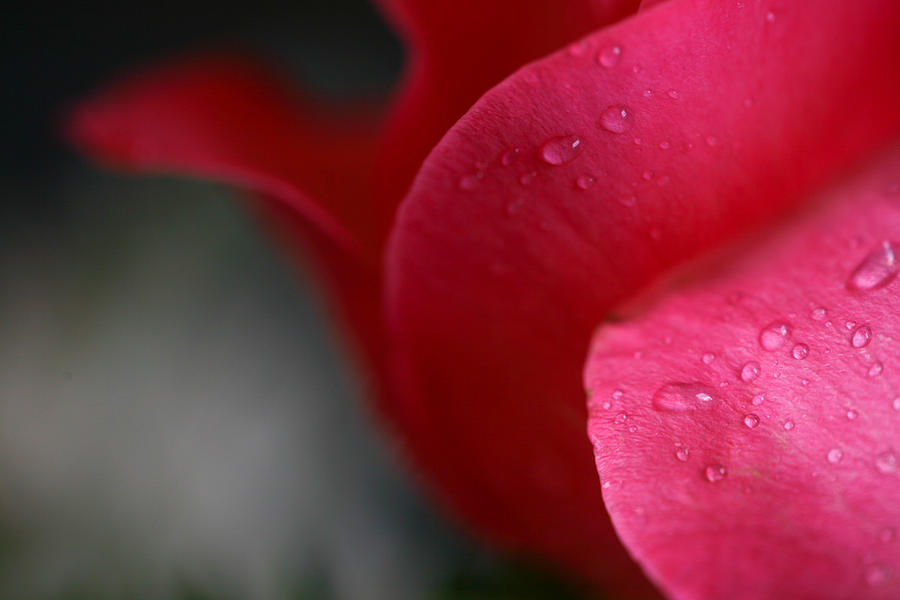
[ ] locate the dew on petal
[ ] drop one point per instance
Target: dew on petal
(712, 140)
(876, 574)
(835, 455)
(788, 425)
(852, 414)
(469, 182)
(509, 157)
(682, 454)
(673, 94)
(708, 358)
(664, 145)
(621, 418)
(585, 182)
(876, 270)
(683, 397)
(751, 421)
(561, 150)
(715, 473)
(774, 335)
(895, 404)
(770, 17)
(800, 351)
(616, 119)
(886, 462)
(876, 369)
(647, 175)
(527, 178)
(818, 314)
(861, 337)
(750, 371)
(617, 394)
(578, 48)
(648, 93)
(758, 399)
(609, 56)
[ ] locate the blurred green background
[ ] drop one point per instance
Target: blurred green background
(176, 420)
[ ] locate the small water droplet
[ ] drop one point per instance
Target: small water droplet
(818, 314)
(876, 270)
(800, 351)
(683, 397)
(751, 421)
(561, 150)
(607, 405)
(509, 157)
(715, 473)
(638, 141)
(585, 182)
(708, 358)
(774, 335)
(467, 183)
(886, 462)
(861, 337)
(876, 574)
(648, 93)
(758, 399)
(788, 425)
(712, 141)
(578, 48)
(876, 369)
(636, 69)
(835, 455)
(750, 371)
(896, 404)
(616, 119)
(682, 454)
(609, 56)
(673, 94)
(527, 178)
(770, 17)
(633, 428)
(606, 485)
(621, 418)
(852, 414)
(664, 145)
(617, 394)
(628, 201)
(647, 175)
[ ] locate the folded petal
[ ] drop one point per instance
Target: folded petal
(577, 181)
(747, 428)
(227, 118)
(458, 49)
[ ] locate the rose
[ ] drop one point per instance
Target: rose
(564, 191)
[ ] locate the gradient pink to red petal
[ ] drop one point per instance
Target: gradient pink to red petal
(537, 207)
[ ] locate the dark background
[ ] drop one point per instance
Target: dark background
(176, 419)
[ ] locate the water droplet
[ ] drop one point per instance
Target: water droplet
(888, 534)
(606, 485)
(607, 405)
(770, 17)
(886, 462)
(708, 358)
(673, 94)
(648, 93)
(861, 337)
(818, 314)
(852, 414)
(800, 351)
(876, 270)
(876, 574)
(621, 418)
(774, 335)
(876, 369)
(628, 201)
(633, 428)
(609, 56)
(750, 371)
(683, 397)
(788, 425)
(835, 455)
(578, 48)
(636, 69)
(647, 175)
(616, 119)
(617, 394)
(585, 182)
(467, 183)
(751, 421)
(896, 404)
(638, 141)
(509, 157)
(664, 145)
(561, 150)
(712, 141)
(682, 454)
(527, 178)
(715, 473)
(758, 399)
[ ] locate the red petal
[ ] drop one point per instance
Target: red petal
(226, 118)
(461, 48)
(499, 271)
(782, 478)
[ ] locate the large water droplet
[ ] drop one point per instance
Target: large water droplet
(750, 371)
(774, 335)
(561, 150)
(609, 56)
(584, 182)
(715, 473)
(876, 270)
(835, 455)
(751, 421)
(886, 462)
(861, 337)
(800, 351)
(616, 119)
(683, 397)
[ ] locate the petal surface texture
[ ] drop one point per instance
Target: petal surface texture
(576, 182)
(747, 427)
